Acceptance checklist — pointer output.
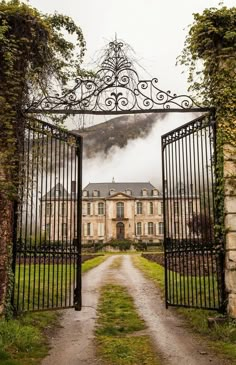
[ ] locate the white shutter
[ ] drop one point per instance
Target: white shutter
(91, 229)
(157, 229)
(91, 208)
(84, 209)
(145, 229)
(96, 208)
(85, 229)
(102, 229)
(99, 229)
(159, 208)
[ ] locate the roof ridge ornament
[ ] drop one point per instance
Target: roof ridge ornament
(114, 89)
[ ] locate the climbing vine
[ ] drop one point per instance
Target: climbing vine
(210, 54)
(36, 56)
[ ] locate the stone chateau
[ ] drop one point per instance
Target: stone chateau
(114, 210)
(132, 211)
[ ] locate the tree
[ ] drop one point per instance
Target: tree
(35, 57)
(202, 226)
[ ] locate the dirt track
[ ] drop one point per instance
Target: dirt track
(73, 344)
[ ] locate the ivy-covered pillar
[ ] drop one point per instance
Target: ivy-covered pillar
(230, 225)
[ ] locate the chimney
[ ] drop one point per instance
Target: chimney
(73, 186)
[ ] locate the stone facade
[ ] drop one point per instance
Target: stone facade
(132, 211)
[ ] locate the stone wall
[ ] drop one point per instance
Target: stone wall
(230, 225)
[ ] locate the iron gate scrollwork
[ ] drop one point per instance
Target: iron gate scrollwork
(47, 247)
(194, 255)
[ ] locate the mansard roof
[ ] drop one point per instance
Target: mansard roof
(57, 192)
(107, 189)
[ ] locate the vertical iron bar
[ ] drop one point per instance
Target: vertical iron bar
(78, 289)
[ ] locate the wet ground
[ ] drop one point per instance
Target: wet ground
(73, 343)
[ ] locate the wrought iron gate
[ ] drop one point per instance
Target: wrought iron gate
(47, 244)
(194, 256)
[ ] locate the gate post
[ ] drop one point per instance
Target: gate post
(230, 225)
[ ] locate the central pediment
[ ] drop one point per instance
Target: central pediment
(120, 195)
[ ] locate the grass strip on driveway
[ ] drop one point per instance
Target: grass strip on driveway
(221, 338)
(23, 341)
(118, 337)
(90, 264)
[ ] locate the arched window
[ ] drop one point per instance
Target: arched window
(139, 229)
(139, 208)
(120, 210)
(150, 228)
(100, 208)
(151, 208)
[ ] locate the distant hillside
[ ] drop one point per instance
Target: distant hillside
(116, 132)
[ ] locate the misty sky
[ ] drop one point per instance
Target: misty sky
(156, 30)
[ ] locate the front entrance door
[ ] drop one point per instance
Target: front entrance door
(120, 231)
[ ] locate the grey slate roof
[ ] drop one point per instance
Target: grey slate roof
(119, 187)
(57, 192)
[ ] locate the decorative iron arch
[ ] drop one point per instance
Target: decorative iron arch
(114, 89)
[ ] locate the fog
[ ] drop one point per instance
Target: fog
(139, 161)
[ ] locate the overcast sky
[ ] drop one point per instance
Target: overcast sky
(156, 30)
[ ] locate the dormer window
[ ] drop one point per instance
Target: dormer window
(58, 190)
(85, 193)
(155, 192)
(112, 191)
(95, 193)
(144, 192)
(128, 192)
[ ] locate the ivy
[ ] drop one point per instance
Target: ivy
(210, 53)
(35, 57)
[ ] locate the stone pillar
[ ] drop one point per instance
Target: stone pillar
(230, 225)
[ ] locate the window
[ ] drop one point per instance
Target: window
(150, 228)
(95, 193)
(120, 210)
(63, 209)
(101, 208)
(48, 209)
(161, 228)
(154, 192)
(64, 229)
(139, 229)
(112, 191)
(58, 190)
(190, 207)
(176, 228)
(151, 208)
(73, 186)
(162, 208)
(88, 229)
(139, 208)
(47, 228)
(88, 208)
(176, 208)
(100, 229)
(128, 192)
(85, 193)
(144, 192)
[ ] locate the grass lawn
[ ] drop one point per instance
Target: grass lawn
(47, 286)
(118, 337)
(23, 341)
(221, 337)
